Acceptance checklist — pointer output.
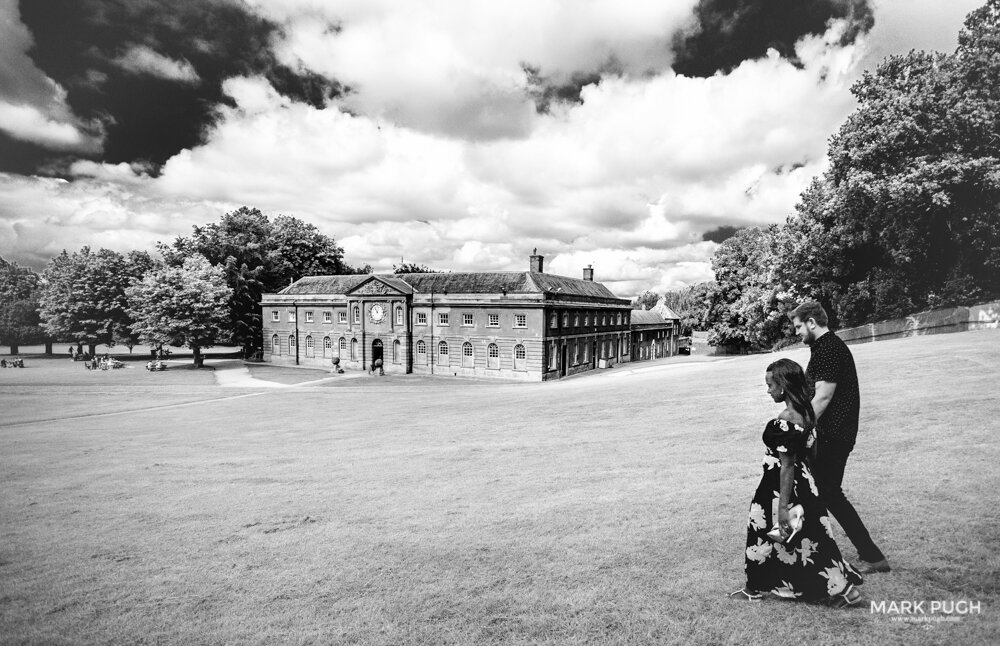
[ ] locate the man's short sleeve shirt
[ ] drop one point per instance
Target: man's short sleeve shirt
(831, 360)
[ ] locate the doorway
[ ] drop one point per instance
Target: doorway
(377, 351)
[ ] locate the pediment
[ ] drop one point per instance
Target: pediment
(375, 286)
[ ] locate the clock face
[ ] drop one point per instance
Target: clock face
(378, 313)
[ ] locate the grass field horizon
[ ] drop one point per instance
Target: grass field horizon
(607, 509)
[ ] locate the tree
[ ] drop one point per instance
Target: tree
(749, 311)
(258, 256)
(908, 215)
(410, 268)
(19, 322)
(181, 306)
(646, 300)
(83, 295)
(692, 304)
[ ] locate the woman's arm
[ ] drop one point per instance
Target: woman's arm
(786, 478)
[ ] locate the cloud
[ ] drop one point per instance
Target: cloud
(140, 59)
(471, 133)
(724, 33)
(33, 107)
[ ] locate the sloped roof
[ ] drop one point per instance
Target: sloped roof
(646, 317)
(486, 282)
(664, 311)
(340, 284)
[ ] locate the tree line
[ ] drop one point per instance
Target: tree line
(201, 290)
(905, 218)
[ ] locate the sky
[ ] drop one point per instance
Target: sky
(456, 134)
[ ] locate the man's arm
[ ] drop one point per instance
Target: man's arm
(824, 393)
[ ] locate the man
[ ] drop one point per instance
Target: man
(837, 403)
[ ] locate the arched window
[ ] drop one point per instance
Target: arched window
(399, 315)
(354, 349)
(493, 356)
(309, 346)
(357, 314)
(468, 361)
(342, 347)
(291, 344)
(275, 345)
(327, 347)
(443, 353)
(395, 351)
(554, 321)
(520, 357)
(421, 351)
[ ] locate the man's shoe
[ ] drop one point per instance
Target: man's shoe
(873, 568)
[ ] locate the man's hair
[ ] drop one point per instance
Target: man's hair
(810, 310)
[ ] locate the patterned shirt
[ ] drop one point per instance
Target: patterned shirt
(832, 361)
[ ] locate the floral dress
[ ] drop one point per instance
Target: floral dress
(809, 566)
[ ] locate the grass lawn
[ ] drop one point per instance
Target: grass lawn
(140, 508)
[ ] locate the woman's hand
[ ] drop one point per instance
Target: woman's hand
(783, 520)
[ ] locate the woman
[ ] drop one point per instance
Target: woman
(803, 562)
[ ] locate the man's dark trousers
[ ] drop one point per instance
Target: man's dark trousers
(828, 468)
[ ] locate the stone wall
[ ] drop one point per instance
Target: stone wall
(955, 319)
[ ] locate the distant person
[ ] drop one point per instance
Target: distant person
(70, 353)
(790, 551)
(837, 403)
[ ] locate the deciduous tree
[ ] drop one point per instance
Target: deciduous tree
(181, 306)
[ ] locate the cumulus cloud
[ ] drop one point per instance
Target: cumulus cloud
(140, 59)
(32, 106)
(471, 134)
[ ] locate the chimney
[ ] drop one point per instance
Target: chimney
(537, 262)
(588, 273)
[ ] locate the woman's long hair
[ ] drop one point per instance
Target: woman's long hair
(792, 380)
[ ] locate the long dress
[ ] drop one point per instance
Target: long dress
(809, 566)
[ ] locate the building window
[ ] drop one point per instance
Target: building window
(399, 315)
(354, 349)
(342, 347)
(291, 316)
(493, 356)
(275, 345)
(357, 314)
(586, 351)
(328, 317)
(443, 352)
(342, 316)
(421, 351)
(586, 320)
(520, 357)
(395, 351)
(275, 316)
(576, 320)
(554, 321)
(327, 347)
(604, 319)
(553, 356)
(309, 317)
(309, 346)
(467, 319)
(494, 320)
(468, 361)
(421, 318)
(566, 319)
(442, 318)
(520, 320)
(619, 318)
(291, 344)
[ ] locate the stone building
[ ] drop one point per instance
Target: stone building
(654, 335)
(515, 325)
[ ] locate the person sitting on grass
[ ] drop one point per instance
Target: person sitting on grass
(793, 556)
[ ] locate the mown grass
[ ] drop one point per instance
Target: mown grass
(601, 510)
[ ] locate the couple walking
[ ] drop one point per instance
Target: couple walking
(790, 549)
